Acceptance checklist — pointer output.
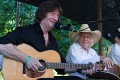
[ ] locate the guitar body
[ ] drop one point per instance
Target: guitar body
(13, 70)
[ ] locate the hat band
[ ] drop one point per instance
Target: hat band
(84, 29)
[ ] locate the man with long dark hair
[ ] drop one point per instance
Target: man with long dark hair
(37, 35)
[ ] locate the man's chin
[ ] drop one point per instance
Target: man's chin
(86, 47)
(50, 28)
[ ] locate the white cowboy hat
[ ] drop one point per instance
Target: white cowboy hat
(96, 34)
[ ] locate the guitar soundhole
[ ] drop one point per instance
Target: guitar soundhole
(33, 74)
(41, 68)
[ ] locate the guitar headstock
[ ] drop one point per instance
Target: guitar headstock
(99, 66)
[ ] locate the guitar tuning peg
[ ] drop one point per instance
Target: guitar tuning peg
(101, 61)
(97, 62)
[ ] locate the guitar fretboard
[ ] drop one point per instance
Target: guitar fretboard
(68, 66)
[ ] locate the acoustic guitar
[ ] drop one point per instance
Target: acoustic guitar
(15, 70)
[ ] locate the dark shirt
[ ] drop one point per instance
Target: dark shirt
(32, 35)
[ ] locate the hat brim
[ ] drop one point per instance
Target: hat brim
(96, 35)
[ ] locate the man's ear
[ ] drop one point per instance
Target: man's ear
(116, 39)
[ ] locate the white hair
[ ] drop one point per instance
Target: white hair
(76, 38)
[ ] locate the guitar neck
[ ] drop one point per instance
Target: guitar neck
(67, 66)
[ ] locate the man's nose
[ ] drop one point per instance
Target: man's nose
(84, 38)
(56, 18)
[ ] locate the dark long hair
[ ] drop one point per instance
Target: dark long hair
(44, 8)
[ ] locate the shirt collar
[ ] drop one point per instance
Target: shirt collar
(81, 47)
(37, 28)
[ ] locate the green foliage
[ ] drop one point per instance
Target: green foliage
(8, 15)
(1, 78)
(8, 23)
(63, 40)
(105, 45)
(27, 13)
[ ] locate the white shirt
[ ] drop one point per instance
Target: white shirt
(76, 54)
(115, 54)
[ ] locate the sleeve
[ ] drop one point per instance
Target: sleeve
(112, 51)
(96, 57)
(71, 55)
(14, 37)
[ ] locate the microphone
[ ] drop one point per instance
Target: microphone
(59, 25)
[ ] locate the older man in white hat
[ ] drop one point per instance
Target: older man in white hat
(81, 52)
